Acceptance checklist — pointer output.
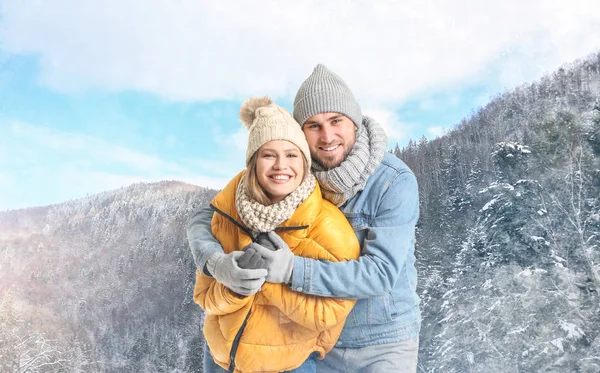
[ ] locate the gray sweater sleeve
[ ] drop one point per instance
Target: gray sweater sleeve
(199, 234)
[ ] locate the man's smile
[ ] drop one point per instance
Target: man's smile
(329, 148)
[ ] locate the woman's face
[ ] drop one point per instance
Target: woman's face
(279, 169)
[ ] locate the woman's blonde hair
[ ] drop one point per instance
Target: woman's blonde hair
(257, 192)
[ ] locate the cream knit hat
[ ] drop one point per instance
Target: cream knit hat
(323, 92)
(267, 122)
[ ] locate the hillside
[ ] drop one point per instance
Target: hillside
(508, 244)
(101, 284)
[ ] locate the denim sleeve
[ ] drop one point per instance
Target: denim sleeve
(199, 235)
(389, 242)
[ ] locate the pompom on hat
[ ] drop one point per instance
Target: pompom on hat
(266, 122)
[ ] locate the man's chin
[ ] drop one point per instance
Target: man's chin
(328, 163)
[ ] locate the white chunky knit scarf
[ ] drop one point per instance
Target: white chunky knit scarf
(342, 182)
(260, 218)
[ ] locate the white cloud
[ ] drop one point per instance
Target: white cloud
(431, 103)
(227, 165)
(240, 140)
(50, 166)
(92, 147)
(231, 156)
(435, 131)
(385, 50)
(395, 130)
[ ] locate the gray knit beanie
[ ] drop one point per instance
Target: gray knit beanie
(324, 92)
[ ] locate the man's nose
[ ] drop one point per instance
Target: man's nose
(327, 135)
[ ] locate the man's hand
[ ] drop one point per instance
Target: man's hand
(225, 269)
(251, 259)
(280, 262)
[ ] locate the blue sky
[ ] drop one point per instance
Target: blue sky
(95, 97)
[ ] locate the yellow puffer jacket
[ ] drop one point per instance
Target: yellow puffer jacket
(284, 326)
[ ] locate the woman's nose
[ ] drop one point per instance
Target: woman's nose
(279, 163)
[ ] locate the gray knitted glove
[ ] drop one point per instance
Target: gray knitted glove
(251, 259)
(279, 263)
(263, 240)
(225, 269)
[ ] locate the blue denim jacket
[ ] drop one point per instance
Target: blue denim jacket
(383, 280)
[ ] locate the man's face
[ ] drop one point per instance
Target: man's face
(330, 137)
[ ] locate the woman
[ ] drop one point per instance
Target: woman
(276, 197)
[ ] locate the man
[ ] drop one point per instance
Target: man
(378, 194)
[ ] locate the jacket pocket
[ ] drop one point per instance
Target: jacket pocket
(358, 222)
(380, 310)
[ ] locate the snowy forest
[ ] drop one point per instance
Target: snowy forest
(101, 284)
(508, 252)
(508, 243)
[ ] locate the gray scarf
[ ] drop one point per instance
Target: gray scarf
(260, 218)
(342, 182)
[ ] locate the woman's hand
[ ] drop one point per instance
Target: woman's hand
(225, 269)
(279, 262)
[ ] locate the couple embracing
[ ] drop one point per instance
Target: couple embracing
(306, 258)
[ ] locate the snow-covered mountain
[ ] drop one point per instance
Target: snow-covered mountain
(101, 284)
(508, 244)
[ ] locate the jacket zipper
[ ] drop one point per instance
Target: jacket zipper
(236, 343)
